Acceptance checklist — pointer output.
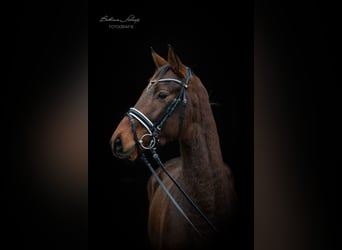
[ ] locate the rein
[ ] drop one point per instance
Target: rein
(153, 132)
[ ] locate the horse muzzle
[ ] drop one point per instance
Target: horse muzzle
(119, 152)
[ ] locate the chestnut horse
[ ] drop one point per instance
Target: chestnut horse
(191, 197)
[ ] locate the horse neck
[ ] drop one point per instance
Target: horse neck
(200, 149)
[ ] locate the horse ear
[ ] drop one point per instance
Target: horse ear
(176, 64)
(158, 60)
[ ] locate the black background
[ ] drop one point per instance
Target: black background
(218, 46)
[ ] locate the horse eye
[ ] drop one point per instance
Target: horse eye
(162, 95)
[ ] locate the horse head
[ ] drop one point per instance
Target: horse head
(158, 117)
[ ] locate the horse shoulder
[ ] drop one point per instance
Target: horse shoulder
(161, 211)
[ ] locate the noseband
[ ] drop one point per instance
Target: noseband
(153, 132)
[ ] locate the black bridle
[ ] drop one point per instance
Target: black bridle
(153, 132)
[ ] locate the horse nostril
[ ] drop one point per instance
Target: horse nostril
(118, 144)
